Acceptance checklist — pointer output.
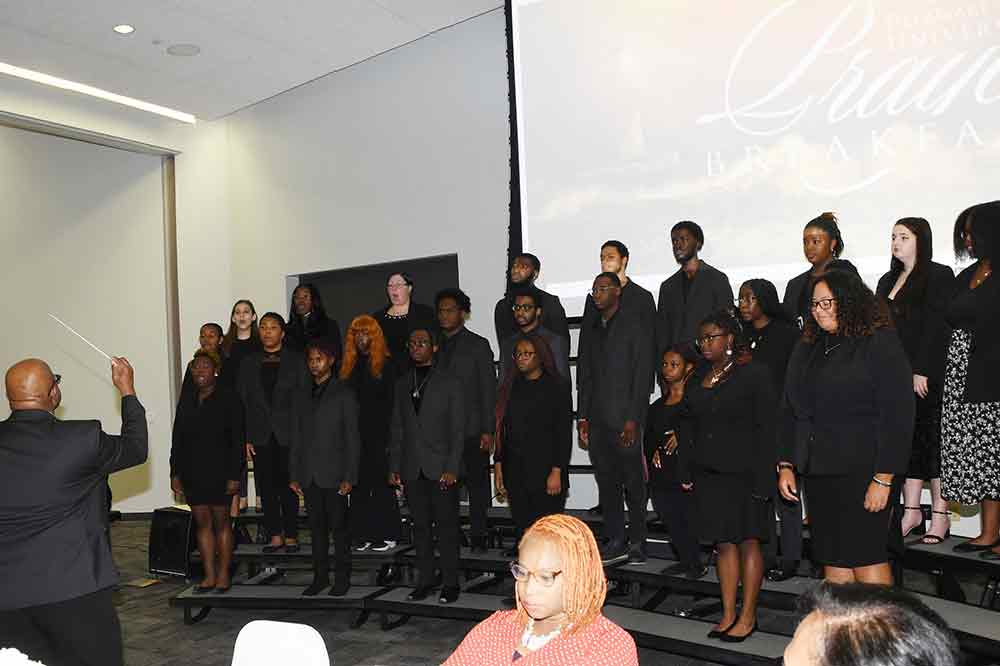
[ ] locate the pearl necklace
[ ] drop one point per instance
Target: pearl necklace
(531, 642)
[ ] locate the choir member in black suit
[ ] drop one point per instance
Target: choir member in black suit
(732, 407)
(308, 321)
(970, 418)
(58, 576)
(425, 456)
(368, 370)
(917, 291)
(206, 459)
(241, 340)
(326, 447)
(822, 244)
(468, 357)
(613, 390)
(534, 417)
(665, 426)
(402, 316)
(269, 380)
(695, 291)
(528, 316)
(524, 270)
(770, 338)
(209, 340)
(635, 299)
(846, 425)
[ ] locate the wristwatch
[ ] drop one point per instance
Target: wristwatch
(784, 465)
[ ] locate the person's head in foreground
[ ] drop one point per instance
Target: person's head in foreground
(856, 624)
(560, 589)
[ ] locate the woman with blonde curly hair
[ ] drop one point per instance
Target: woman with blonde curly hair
(560, 590)
(367, 368)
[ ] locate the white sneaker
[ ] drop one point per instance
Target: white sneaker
(385, 546)
(365, 546)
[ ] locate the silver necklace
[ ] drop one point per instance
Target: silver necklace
(416, 388)
(827, 349)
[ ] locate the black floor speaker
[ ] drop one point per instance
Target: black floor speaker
(171, 541)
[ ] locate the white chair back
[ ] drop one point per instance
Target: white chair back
(266, 643)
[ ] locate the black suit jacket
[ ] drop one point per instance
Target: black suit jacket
(920, 322)
(431, 441)
(266, 417)
(553, 316)
(469, 357)
(326, 443)
(53, 517)
(634, 301)
(677, 318)
(613, 380)
(855, 413)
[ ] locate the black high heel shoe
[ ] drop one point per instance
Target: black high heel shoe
(934, 539)
(919, 528)
(719, 633)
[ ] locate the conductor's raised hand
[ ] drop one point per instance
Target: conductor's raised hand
(122, 375)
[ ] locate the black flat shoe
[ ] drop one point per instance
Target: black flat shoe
(449, 594)
(419, 593)
(719, 633)
(340, 588)
(315, 588)
(222, 590)
(967, 547)
(726, 638)
(198, 589)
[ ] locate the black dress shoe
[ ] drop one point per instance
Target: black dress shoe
(726, 638)
(293, 548)
(449, 594)
(696, 572)
(340, 587)
(636, 555)
(778, 574)
(315, 588)
(614, 551)
(272, 548)
(387, 575)
(719, 633)
(968, 547)
(419, 593)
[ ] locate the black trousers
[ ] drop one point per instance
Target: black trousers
(676, 509)
(476, 477)
(328, 509)
(77, 632)
(375, 513)
(280, 504)
(429, 506)
(529, 501)
(619, 470)
(790, 539)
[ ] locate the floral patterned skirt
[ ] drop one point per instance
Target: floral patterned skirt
(970, 434)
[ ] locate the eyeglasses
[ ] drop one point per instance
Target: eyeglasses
(57, 378)
(522, 307)
(524, 354)
(749, 300)
(823, 303)
(418, 344)
(521, 573)
(396, 285)
(596, 291)
(707, 339)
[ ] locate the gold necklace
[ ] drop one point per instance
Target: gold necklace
(717, 374)
(979, 280)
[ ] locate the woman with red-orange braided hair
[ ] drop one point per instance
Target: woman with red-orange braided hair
(560, 590)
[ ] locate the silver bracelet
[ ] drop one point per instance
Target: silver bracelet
(881, 483)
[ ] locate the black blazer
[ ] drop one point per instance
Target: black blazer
(54, 536)
(207, 440)
(772, 347)
(468, 357)
(978, 311)
(920, 323)
(731, 426)
(266, 417)
(431, 441)
(553, 316)
(635, 301)
(326, 443)
(560, 353)
(853, 410)
(677, 320)
(613, 382)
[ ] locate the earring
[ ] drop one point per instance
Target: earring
(729, 352)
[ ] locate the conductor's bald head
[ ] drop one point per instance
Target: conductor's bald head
(30, 384)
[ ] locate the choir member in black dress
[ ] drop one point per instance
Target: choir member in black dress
(324, 464)
(528, 316)
(209, 340)
(367, 369)
(524, 270)
(269, 379)
(695, 291)
(770, 338)
(205, 461)
(917, 291)
(307, 320)
(664, 428)
(970, 418)
(400, 317)
(534, 417)
(822, 244)
(846, 425)
(468, 357)
(241, 340)
(732, 408)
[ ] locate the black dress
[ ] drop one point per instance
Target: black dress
(397, 328)
(537, 435)
(238, 351)
(303, 330)
(731, 460)
(207, 448)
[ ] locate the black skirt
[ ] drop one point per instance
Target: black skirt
(844, 533)
(727, 510)
(212, 494)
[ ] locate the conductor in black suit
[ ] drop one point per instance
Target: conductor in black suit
(425, 454)
(613, 387)
(56, 570)
(326, 449)
(469, 357)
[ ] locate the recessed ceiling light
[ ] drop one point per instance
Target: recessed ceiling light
(39, 77)
(183, 49)
(124, 29)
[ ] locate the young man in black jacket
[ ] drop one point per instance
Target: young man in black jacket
(524, 271)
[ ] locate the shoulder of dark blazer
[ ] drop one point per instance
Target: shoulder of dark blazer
(669, 282)
(709, 270)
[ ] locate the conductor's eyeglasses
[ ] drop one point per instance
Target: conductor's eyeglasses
(521, 573)
(56, 379)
